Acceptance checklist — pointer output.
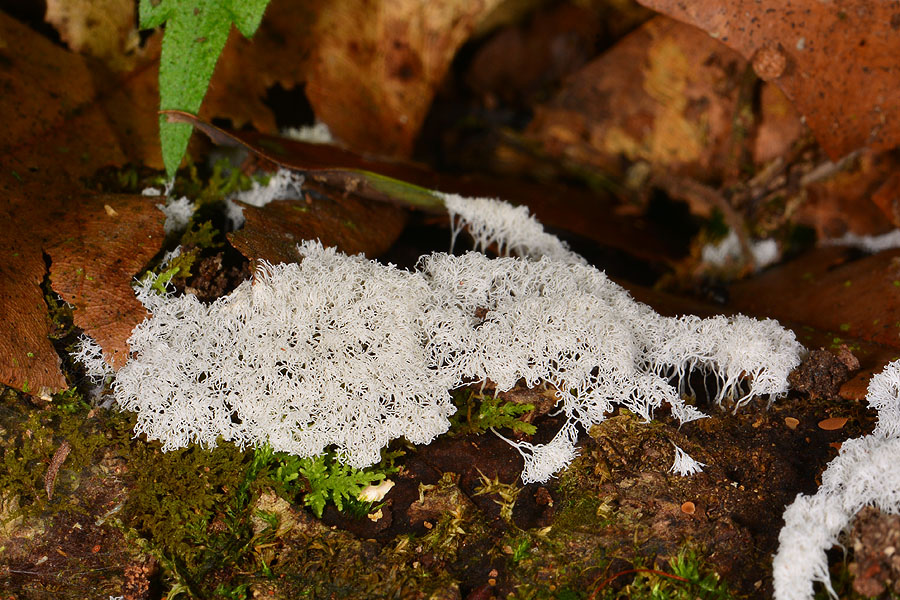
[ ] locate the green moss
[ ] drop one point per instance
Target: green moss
(476, 413)
(179, 499)
(685, 578)
(30, 437)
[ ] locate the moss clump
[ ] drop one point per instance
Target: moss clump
(30, 435)
(477, 413)
(685, 577)
(180, 501)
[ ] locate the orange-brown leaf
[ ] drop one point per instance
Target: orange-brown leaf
(111, 238)
(376, 66)
(62, 121)
(836, 60)
(665, 94)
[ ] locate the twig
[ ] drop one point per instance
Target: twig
(707, 198)
(53, 470)
(628, 571)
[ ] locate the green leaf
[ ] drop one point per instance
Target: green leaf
(327, 479)
(247, 14)
(196, 32)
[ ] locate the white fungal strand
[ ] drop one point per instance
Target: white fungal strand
(864, 473)
(684, 465)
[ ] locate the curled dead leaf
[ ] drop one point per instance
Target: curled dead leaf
(111, 238)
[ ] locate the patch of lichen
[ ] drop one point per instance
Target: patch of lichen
(31, 434)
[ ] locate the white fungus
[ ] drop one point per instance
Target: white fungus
(867, 243)
(344, 352)
(318, 133)
(864, 473)
(684, 465)
(728, 250)
(178, 214)
(283, 184)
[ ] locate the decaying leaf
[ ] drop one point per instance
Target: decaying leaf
(352, 225)
(519, 61)
(276, 55)
(61, 124)
(376, 66)
(103, 29)
(827, 290)
(836, 60)
(29, 361)
(665, 94)
(104, 245)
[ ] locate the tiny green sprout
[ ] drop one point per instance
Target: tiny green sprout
(507, 493)
(689, 579)
(270, 518)
(324, 479)
(521, 550)
(479, 412)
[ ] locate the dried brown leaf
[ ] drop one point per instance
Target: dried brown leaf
(836, 60)
(351, 224)
(103, 29)
(278, 53)
(111, 238)
(828, 290)
(665, 94)
(376, 66)
(62, 121)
